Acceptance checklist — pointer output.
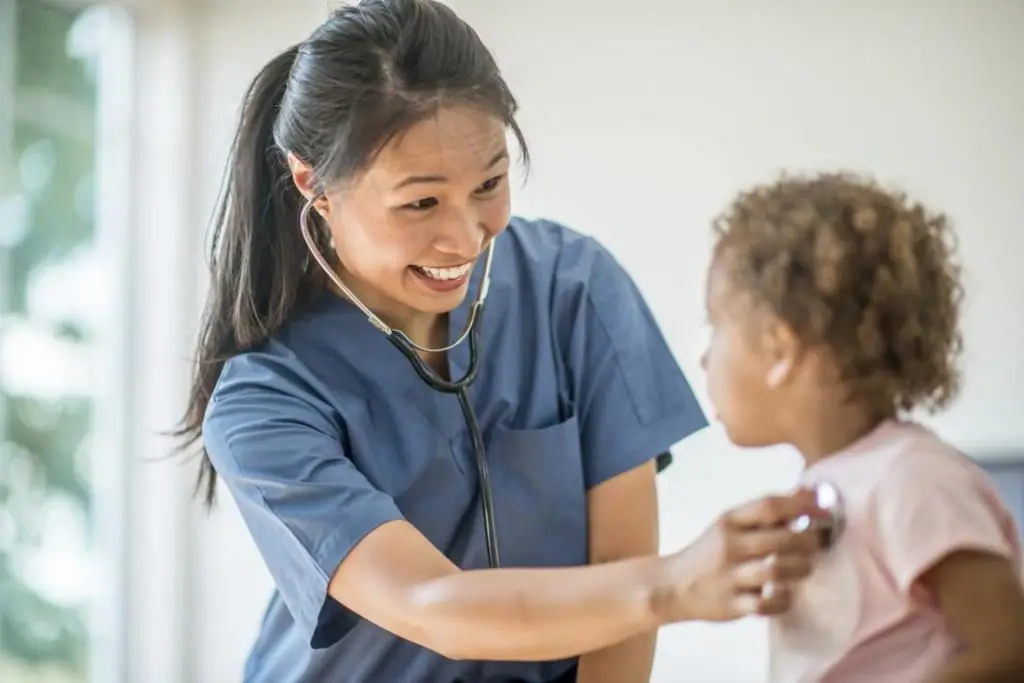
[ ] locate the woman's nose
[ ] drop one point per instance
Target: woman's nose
(463, 234)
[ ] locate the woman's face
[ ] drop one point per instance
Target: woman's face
(409, 230)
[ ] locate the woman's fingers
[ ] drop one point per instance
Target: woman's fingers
(763, 555)
(775, 511)
(765, 586)
(776, 600)
(774, 569)
(746, 545)
(771, 602)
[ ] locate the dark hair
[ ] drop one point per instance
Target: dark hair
(865, 272)
(368, 73)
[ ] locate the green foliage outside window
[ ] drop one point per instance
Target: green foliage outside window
(47, 163)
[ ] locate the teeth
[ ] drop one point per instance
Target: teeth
(446, 273)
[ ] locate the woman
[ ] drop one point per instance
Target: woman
(356, 480)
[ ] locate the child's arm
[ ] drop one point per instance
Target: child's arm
(949, 544)
(982, 598)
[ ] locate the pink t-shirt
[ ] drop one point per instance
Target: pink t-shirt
(910, 500)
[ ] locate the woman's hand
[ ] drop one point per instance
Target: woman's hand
(396, 578)
(725, 571)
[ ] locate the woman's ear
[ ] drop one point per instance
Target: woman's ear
(304, 178)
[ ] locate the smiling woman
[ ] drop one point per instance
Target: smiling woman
(379, 143)
(408, 230)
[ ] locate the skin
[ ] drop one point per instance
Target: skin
(760, 378)
(622, 516)
(766, 386)
(435, 196)
(982, 599)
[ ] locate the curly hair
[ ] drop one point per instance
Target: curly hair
(866, 273)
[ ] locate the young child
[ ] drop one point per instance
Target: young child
(834, 307)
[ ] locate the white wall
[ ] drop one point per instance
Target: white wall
(643, 120)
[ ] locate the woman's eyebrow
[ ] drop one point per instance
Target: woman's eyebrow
(415, 179)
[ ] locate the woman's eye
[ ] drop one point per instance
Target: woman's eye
(490, 185)
(422, 204)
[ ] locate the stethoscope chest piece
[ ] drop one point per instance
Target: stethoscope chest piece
(830, 529)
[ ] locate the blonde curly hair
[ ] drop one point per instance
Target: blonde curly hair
(866, 273)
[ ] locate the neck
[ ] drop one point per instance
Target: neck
(425, 329)
(823, 432)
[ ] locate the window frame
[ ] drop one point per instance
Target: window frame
(143, 517)
(108, 436)
(164, 274)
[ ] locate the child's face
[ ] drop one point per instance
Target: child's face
(737, 366)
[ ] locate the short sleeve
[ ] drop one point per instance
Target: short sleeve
(305, 504)
(633, 402)
(930, 507)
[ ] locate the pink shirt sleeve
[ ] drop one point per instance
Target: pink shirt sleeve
(930, 505)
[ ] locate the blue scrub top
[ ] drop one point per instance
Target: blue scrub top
(325, 432)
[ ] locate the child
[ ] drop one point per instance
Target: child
(834, 308)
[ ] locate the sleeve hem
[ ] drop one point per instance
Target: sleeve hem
(656, 438)
(909, 579)
(320, 620)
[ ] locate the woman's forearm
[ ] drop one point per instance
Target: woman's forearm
(630, 661)
(538, 614)
(397, 579)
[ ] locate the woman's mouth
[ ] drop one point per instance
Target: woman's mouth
(444, 279)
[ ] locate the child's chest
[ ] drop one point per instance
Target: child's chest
(843, 598)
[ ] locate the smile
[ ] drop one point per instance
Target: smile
(444, 274)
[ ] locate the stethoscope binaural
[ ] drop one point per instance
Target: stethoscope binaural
(828, 530)
(459, 387)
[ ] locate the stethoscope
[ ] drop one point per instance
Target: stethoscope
(828, 497)
(459, 387)
(828, 529)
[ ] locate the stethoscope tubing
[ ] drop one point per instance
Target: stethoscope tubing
(459, 387)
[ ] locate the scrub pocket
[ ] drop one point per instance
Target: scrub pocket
(539, 495)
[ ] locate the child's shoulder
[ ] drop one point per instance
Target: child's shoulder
(900, 462)
(929, 484)
(918, 456)
(895, 449)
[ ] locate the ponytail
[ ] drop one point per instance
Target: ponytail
(363, 77)
(258, 260)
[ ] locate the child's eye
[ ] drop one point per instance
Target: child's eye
(422, 204)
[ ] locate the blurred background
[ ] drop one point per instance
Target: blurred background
(643, 119)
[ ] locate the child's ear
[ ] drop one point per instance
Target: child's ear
(783, 348)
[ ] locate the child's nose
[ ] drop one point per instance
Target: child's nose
(704, 361)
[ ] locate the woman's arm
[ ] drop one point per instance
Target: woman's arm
(981, 597)
(622, 522)
(326, 533)
(398, 580)
(395, 578)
